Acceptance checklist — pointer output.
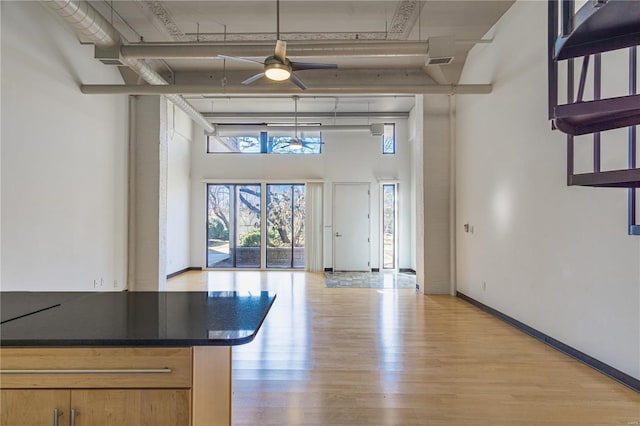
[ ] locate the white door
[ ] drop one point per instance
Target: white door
(351, 227)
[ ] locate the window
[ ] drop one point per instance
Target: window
(269, 142)
(389, 215)
(389, 139)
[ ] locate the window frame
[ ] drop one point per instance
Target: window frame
(266, 145)
(396, 225)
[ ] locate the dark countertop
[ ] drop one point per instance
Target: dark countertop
(131, 318)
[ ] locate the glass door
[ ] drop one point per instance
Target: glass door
(285, 225)
(233, 226)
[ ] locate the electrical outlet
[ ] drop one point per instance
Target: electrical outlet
(115, 283)
(101, 282)
(95, 283)
(484, 285)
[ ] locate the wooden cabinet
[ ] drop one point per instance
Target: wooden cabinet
(115, 386)
(22, 407)
(148, 407)
(152, 407)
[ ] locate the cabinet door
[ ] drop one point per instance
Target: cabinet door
(133, 407)
(34, 407)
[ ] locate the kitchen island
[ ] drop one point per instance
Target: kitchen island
(122, 358)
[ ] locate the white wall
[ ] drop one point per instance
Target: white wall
(346, 157)
(63, 159)
(180, 138)
(554, 257)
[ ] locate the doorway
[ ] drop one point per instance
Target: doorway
(351, 225)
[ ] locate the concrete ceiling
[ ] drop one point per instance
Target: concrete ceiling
(238, 27)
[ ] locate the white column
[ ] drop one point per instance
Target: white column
(433, 264)
(148, 195)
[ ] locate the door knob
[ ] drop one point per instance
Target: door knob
(338, 234)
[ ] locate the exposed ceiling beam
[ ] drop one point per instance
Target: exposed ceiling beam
(259, 50)
(267, 115)
(436, 73)
(461, 89)
(222, 129)
(314, 78)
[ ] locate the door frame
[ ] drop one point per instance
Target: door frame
(333, 221)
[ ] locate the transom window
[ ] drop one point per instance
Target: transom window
(269, 142)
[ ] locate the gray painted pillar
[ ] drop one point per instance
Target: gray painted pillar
(148, 194)
(436, 129)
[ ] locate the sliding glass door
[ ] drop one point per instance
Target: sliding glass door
(233, 226)
(285, 225)
(235, 221)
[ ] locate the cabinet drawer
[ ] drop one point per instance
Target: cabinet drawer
(31, 368)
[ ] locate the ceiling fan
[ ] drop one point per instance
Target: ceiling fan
(278, 67)
(295, 143)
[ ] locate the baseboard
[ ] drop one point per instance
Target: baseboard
(407, 271)
(328, 269)
(574, 353)
(182, 271)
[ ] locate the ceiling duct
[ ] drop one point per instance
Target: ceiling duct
(92, 27)
(244, 129)
(441, 51)
(444, 60)
(377, 129)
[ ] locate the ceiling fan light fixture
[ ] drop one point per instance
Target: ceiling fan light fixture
(295, 144)
(277, 72)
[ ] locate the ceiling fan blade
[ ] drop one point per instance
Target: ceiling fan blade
(296, 80)
(253, 78)
(239, 59)
(281, 50)
(311, 145)
(300, 66)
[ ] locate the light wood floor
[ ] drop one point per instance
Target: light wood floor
(346, 356)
